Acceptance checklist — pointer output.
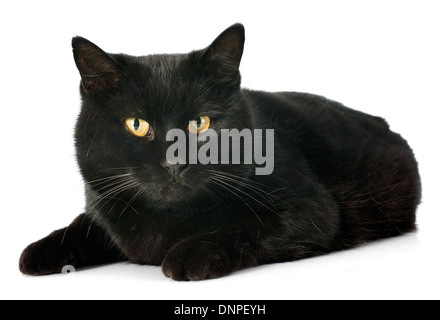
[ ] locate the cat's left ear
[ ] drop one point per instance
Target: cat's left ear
(223, 56)
(98, 70)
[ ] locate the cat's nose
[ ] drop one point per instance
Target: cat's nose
(174, 169)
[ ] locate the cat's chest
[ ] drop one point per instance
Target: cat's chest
(144, 245)
(145, 239)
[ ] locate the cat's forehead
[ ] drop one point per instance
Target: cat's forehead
(164, 75)
(162, 64)
(164, 86)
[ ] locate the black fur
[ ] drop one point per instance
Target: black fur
(341, 177)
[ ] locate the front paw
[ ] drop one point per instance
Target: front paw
(46, 256)
(191, 260)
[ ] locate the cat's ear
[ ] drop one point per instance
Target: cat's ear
(98, 70)
(223, 56)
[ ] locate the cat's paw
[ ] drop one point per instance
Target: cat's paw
(196, 261)
(46, 256)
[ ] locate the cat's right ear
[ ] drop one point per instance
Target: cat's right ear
(98, 70)
(223, 56)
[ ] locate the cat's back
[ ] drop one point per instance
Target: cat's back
(370, 171)
(304, 109)
(332, 137)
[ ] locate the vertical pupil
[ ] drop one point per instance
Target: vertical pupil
(136, 124)
(199, 122)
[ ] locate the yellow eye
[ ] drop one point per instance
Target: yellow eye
(137, 127)
(199, 125)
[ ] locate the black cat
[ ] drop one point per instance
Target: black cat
(340, 177)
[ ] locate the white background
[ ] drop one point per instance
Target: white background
(380, 57)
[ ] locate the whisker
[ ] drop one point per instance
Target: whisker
(109, 170)
(110, 184)
(254, 189)
(213, 196)
(223, 183)
(128, 204)
(245, 193)
(109, 194)
(103, 180)
(225, 173)
(252, 185)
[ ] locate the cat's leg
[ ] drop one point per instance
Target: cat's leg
(207, 256)
(82, 243)
(306, 227)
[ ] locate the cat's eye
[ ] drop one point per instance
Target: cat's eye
(199, 125)
(138, 127)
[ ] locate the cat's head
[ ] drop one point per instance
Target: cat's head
(129, 104)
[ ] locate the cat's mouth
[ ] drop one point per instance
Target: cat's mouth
(174, 186)
(174, 191)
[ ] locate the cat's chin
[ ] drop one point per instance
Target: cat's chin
(173, 193)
